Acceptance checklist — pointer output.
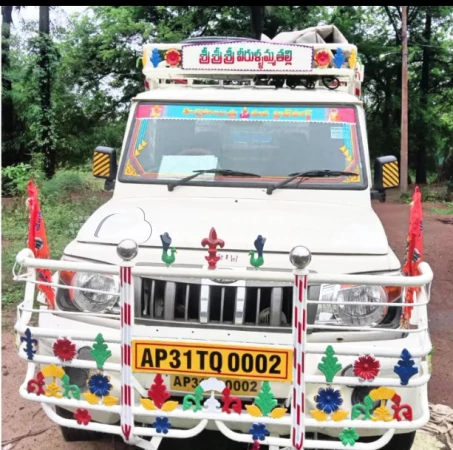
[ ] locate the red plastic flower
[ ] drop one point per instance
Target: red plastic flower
(64, 349)
(322, 58)
(82, 416)
(173, 57)
(366, 367)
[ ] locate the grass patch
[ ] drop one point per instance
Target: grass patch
(66, 201)
(447, 210)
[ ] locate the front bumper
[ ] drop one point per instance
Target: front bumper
(395, 401)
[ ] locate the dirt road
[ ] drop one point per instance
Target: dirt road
(27, 420)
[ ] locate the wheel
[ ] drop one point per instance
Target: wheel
(73, 434)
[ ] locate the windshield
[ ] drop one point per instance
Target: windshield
(170, 141)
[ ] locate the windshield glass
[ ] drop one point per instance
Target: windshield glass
(170, 141)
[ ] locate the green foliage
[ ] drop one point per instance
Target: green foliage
(405, 197)
(18, 176)
(447, 210)
(63, 219)
(435, 194)
(94, 75)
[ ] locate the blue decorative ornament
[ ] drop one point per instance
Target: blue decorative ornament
(405, 368)
(31, 343)
(259, 431)
(162, 425)
(328, 400)
(99, 385)
(155, 57)
(339, 58)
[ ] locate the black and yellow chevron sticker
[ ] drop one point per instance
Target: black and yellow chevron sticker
(390, 175)
(101, 164)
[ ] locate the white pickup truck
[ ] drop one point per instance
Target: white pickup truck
(239, 279)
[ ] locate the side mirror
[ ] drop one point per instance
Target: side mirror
(105, 165)
(386, 176)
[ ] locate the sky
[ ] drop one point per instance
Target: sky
(31, 13)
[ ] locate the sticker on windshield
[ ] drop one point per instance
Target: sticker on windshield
(177, 166)
(336, 133)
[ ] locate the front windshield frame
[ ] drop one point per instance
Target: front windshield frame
(255, 183)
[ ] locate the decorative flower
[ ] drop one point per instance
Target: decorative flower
(322, 58)
(173, 57)
(328, 400)
(162, 425)
(82, 416)
(64, 349)
(366, 367)
(99, 385)
(348, 436)
(259, 431)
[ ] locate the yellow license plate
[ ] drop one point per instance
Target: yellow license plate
(219, 360)
(186, 383)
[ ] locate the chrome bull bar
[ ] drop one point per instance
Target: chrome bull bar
(51, 386)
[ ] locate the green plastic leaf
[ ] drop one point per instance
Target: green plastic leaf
(329, 365)
(364, 408)
(100, 351)
(70, 390)
(349, 436)
(193, 400)
(265, 400)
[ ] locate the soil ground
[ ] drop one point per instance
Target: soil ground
(28, 422)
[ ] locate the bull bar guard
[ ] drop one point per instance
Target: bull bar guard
(411, 366)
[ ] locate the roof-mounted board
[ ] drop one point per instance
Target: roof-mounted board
(249, 60)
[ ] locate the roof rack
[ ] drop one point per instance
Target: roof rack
(240, 61)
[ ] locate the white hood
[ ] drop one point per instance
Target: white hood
(323, 228)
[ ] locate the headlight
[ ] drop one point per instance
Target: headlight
(94, 301)
(87, 301)
(366, 314)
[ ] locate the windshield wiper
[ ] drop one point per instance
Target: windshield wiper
(225, 172)
(308, 173)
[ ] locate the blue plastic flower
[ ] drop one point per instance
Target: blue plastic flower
(162, 425)
(259, 431)
(328, 400)
(99, 385)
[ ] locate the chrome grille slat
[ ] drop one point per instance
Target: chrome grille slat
(205, 295)
(239, 307)
(153, 289)
(222, 304)
(186, 302)
(258, 302)
(169, 300)
(217, 304)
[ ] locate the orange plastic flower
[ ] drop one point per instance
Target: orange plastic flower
(322, 58)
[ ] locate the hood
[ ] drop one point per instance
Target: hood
(322, 227)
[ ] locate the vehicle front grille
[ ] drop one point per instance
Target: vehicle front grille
(196, 304)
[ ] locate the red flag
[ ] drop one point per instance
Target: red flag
(414, 248)
(37, 242)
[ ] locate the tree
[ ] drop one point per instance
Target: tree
(45, 86)
(8, 125)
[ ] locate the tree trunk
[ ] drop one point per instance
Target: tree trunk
(45, 92)
(420, 168)
(257, 18)
(7, 104)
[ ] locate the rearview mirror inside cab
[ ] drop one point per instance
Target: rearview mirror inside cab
(386, 176)
(105, 166)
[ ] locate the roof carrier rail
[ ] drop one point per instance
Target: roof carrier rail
(241, 61)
